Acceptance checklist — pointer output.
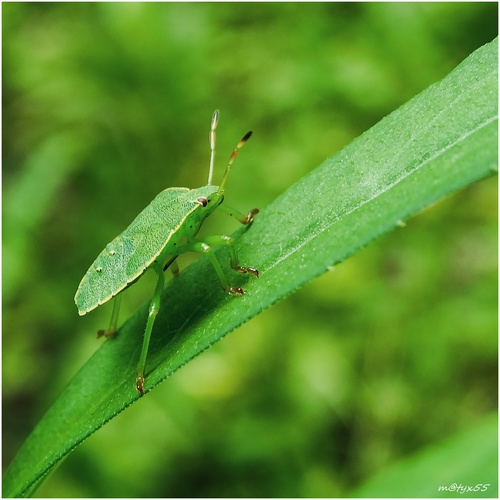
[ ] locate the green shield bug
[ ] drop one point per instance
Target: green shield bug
(165, 229)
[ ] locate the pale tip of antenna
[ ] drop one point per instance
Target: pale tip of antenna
(215, 117)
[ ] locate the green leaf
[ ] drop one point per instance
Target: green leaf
(441, 141)
(444, 470)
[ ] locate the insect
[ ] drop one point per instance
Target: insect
(165, 229)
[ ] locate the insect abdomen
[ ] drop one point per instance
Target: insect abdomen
(128, 256)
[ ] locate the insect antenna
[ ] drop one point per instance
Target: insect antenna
(232, 158)
(211, 138)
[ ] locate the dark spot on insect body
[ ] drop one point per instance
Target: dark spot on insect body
(98, 269)
(202, 201)
(111, 253)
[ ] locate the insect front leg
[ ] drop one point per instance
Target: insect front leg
(154, 307)
(244, 219)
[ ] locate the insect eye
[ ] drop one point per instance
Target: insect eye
(202, 201)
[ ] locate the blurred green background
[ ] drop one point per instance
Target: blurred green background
(106, 104)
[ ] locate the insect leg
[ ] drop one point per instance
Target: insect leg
(153, 311)
(229, 242)
(244, 219)
(111, 331)
(171, 263)
(203, 247)
(174, 268)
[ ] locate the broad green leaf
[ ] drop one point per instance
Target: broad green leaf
(464, 465)
(441, 141)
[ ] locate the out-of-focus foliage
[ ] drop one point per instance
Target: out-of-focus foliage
(107, 104)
